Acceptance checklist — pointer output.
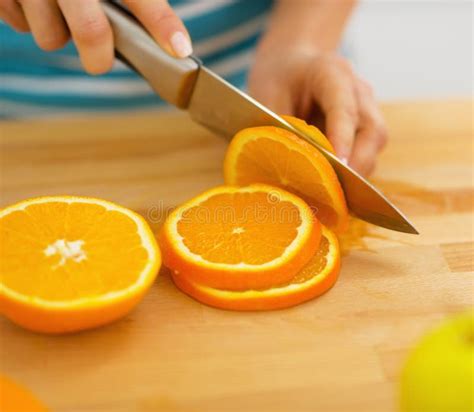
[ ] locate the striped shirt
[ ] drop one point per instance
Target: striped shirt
(36, 83)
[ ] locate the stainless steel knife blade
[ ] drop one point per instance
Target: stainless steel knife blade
(224, 109)
(216, 104)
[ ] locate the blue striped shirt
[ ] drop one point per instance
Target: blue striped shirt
(36, 83)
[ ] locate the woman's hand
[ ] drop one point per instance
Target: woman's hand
(322, 88)
(53, 22)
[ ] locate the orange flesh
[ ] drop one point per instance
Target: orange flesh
(315, 266)
(299, 176)
(316, 278)
(111, 245)
(251, 228)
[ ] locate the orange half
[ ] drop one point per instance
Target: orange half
(277, 157)
(72, 263)
(318, 276)
(240, 237)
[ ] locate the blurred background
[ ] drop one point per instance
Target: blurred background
(414, 48)
(357, 340)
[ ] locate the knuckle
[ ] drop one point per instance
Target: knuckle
(92, 30)
(343, 63)
(20, 27)
(369, 168)
(52, 42)
(343, 113)
(351, 112)
(377, 133)
(365, 163)
(365, 87)
(162, 16)
(383, 137)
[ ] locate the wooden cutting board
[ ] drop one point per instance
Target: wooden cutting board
(341, 352)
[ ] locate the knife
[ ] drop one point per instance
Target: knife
(224, 109)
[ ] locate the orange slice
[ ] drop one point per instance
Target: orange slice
(278, 157)
(310, 130)
(240, 237)
(318, 276)
(72, 263)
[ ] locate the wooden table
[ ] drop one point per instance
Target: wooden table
(341, 352)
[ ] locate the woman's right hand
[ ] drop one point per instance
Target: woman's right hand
(53, 22)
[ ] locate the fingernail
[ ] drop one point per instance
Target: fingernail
(181, 44)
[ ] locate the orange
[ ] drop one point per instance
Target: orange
(72, 263)
(309, 130)
(240, 237)
(319, 275)
(14, 398)
(275, 156)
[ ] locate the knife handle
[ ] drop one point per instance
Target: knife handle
(173, 79)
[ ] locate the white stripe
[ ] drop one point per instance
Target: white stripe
(24, 110)
(13, 109)
(189, 10)
(63, 62)
(74, 63)
(67, 85)
(120, 67)
(234, 64)
(230, 37)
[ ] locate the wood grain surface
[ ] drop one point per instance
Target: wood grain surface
(341, 352)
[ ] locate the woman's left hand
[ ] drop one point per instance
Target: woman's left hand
(321, 88)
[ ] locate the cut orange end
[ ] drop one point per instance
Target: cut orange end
(240, 237)
(310, 130)
(318, 276)
(15, 398)
(278, 157)
(72, 263)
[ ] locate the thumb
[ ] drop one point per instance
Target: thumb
(163, 24)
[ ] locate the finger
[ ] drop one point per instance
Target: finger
(333, 90)
(365, 151)
(369, 110)
(371, 136)
(163, 24)
(46, 23)
(91, 33)
(277, 99)
(12, 14)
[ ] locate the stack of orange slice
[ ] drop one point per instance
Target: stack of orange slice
(266, 240)
(257, 243)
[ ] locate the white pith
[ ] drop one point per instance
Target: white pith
(67, 250)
